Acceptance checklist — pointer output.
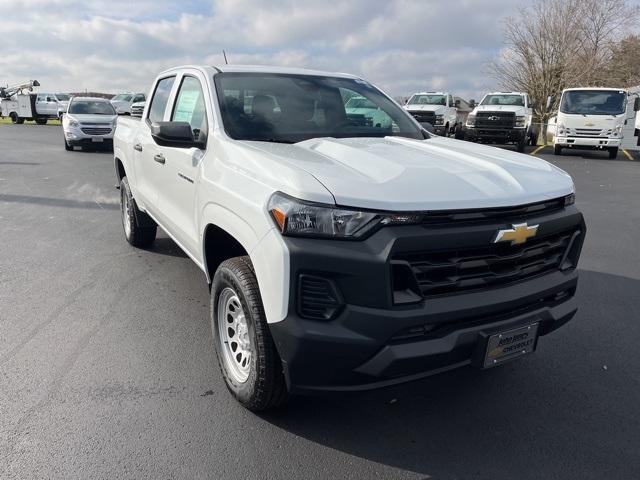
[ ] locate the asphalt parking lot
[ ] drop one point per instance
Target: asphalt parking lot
(107, 368)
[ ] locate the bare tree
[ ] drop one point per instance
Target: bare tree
(555, 44)
(623, 68)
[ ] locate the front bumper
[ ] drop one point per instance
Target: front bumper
(372, 342)
(497, 135)
(588, 142)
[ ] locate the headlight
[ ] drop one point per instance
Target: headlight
(570, 199)
(618, 128)
(520, 121)
(305, 219)
(439, 119)
(73, 123)
(471, 120)
(561, 129)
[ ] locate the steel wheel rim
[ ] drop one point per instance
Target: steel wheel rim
(126, 215)
(234, 336)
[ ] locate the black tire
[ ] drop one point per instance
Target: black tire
(613, 153)
(14, 117)
(459, 133)
(41, 121)
(522, 144)
(533, 137)
(67, 147)
(264, 387)
(141, 231)
(557, 150)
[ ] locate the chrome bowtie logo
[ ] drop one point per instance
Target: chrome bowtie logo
(517, 235)
(494, 118)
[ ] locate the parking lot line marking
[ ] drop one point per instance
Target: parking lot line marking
(537, 150)
(628, 155)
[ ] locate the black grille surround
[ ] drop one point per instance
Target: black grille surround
(442, 272)
(424, 116)
(496, 120)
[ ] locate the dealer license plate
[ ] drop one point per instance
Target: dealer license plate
(97, 139)
(510, 344)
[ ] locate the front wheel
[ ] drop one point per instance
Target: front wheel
(613, 153)
(67, 147)
(139, 229)
(522, 143)
(459, 132)
(557, 150)
(247, 355)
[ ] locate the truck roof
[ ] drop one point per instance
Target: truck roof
(261, 69)
(595, 88)
(506, 93)
(432, 93)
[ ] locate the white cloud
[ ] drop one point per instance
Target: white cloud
(115, 45)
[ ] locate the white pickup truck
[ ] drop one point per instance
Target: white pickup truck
(502, 118)
(438, 109)
(341, 254)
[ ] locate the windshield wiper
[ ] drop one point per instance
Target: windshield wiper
(269, 140)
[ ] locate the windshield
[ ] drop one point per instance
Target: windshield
(91, 107)
(593, 102)
(293, 108)
(504, 100)
(428, 100)
(62, 97)
(122, 98)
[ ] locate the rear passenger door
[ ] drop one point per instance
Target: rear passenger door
(180, 174)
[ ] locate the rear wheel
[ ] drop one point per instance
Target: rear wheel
(557, 150)
(139, 229)
(613, 152)
(41, 121)
(247, 355)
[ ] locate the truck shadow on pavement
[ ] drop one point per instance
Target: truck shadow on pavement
(57, 202)
(552, 412)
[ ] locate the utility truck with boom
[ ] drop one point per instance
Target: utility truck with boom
(19, 103)
(344, 255)
(591, 119)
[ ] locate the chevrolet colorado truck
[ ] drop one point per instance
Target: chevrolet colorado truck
(438, 109)
(502, 118)
(343, 255)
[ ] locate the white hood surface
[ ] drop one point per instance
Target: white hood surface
(424, 108)
(86, 119)
(400, 174)
(499, 108)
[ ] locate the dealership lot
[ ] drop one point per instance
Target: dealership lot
(107, 368)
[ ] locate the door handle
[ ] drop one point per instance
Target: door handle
(137, 147)
(160, 158)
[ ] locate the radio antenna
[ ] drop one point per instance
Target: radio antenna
(225, 57)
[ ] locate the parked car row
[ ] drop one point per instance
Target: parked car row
(587, 118)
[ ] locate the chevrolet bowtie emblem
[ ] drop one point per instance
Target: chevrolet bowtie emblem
(517, 235)
(494, 118)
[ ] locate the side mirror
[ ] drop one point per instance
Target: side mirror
(456, 103)
(175, 134)
(549, 101)
(636, 105)
(428, 127)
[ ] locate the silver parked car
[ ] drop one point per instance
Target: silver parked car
(89, 122)
(122, 103)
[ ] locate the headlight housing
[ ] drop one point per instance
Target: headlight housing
(439, 119)
(569, 199)
(561, 129)
(520, 121)
(299, 218)
(73, 123)
(471, 120)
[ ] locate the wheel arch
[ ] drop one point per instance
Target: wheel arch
(219, 245)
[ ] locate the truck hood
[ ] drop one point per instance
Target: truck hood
(425, 108)
(500, 108)
(92, 119)
(399, 174)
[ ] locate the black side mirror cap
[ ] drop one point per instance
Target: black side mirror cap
(175, 134)
(636, 105)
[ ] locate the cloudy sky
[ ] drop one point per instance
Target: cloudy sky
(120, 45)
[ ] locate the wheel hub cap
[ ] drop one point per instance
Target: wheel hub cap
(234, 336)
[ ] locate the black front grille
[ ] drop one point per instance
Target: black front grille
(453, 271)
(495, 119)
(96, 131)
(424, 117)
(318, 298)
